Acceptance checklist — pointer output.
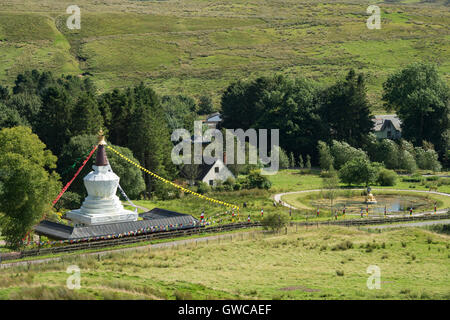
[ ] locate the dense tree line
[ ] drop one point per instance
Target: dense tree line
(67, 112)
(307, 113)
(303, 111)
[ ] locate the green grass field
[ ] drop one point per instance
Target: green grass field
(284, 181)
(413, 265)
(303, 201)
(198, 47)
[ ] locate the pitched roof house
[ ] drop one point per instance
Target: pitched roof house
(210, 173)
(387, 127)
(213, 120)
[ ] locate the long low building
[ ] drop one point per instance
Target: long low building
(154, 220)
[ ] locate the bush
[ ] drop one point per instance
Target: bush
(386, 177)
(256, 180)
(202, 187)
(165, 192)
(219, 186)
(413, 178)
(427, 159)
(275, 221)
(229, 184)
(359, 171)
(342, 153)
(344, 245)
(237, 186)
(69, 200)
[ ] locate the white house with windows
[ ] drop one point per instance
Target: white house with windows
(212, 173)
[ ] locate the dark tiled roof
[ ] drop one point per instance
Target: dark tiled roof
(54, 230)
(204, 169)
(154, 218)
(380, 121)
(163, 217)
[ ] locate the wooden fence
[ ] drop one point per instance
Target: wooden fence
(101, 244)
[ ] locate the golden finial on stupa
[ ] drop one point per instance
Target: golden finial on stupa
(101, 138)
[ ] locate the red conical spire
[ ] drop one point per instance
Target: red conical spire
(101, 158)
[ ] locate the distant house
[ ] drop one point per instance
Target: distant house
(213, 120)
(211, 173)
(387, 127)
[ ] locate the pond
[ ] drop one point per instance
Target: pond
(393, 203)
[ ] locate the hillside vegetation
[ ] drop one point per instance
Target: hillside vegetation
(413, 265)
(198, 47)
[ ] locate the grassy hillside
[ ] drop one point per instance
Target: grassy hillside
(198, 46)
(413, 264)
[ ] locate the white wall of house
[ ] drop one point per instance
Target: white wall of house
(218, 171)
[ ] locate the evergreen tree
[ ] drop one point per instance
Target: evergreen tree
(326, 160)
(283, 159)
(179, 112)
(308, 161)
(55, 118)
(86, 116)
(149, 136)
(10, 117)
(291, 160)
(4, 93)
(118, 107)
(205, 105)
(300, 162)
(345, 109)
(28, 105)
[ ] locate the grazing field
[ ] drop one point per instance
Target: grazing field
(198, 47)
(313, 263)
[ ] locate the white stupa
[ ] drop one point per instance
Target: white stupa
(102, 205)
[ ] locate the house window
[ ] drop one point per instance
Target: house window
(389, 134)
(216, 169)
(211, 182)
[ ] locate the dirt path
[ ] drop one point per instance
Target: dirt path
(177, 243)
(411, 224)
(278, 196)
(125, 203)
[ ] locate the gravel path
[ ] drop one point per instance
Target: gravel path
(125, 203)
(411, 224)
